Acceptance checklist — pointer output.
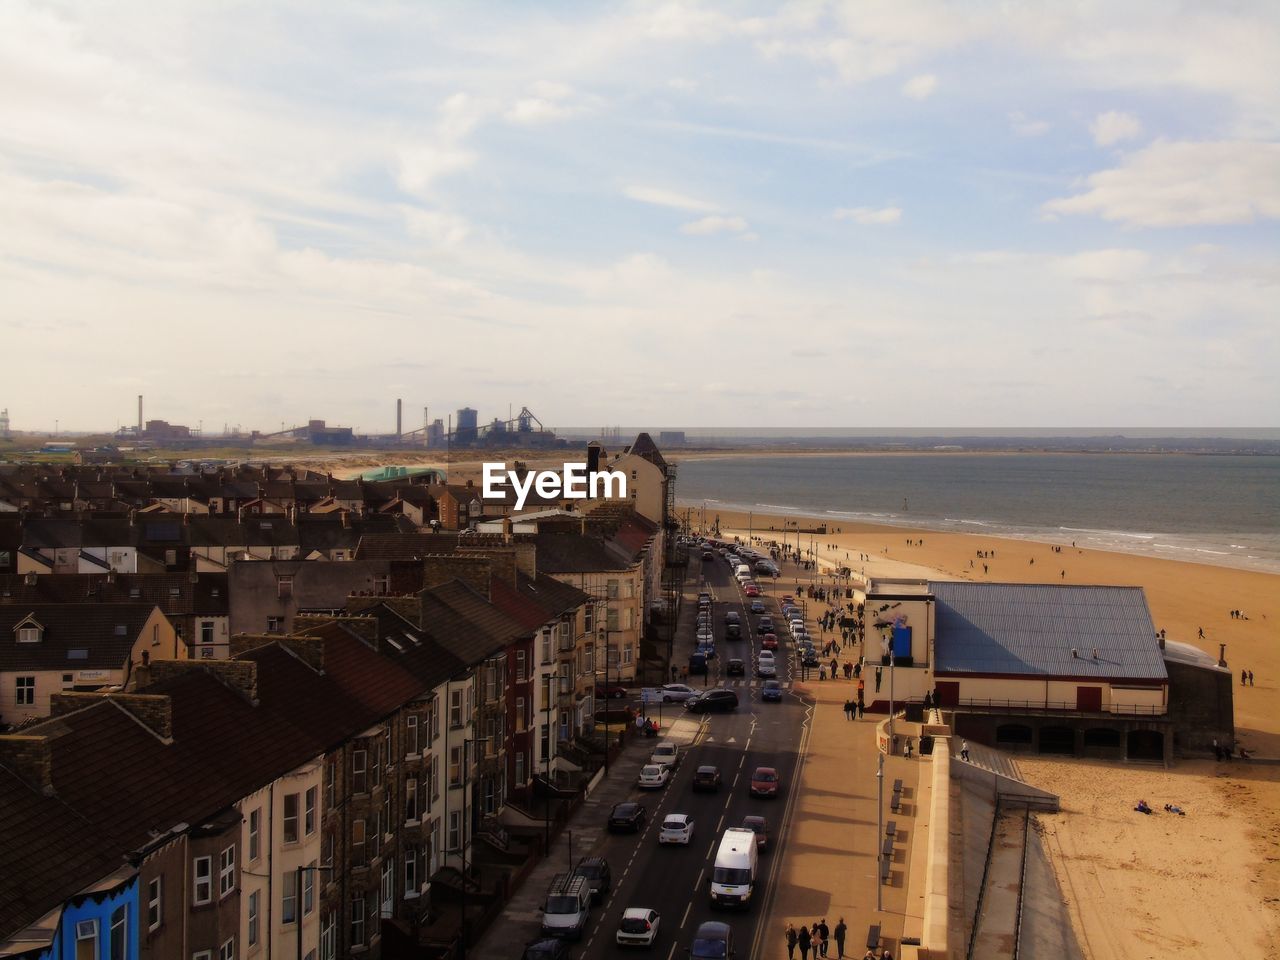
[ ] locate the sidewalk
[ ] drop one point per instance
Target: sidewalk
(519, 921)
(828, 868)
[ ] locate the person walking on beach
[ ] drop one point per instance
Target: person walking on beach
(1251, 678)
(792, 940)
(841, 930)
(1202, 633)
(1244, 678)
(802, 938)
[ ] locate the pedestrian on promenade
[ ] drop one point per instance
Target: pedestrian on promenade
(825, 932)
(964, 750)
(848, 709)
(879, 675)
(792, 940)
(907, 749)
(861, 710)
(802, 938)
(841, 930)
(834, 664)
(822, 672)
(815, 938)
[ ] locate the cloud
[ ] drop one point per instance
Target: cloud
(1025, 126)
(869, 216)
(715, 224)
(548, 103)
(920, 87)
(1177, 184)
(661, 197)
(1113, 126)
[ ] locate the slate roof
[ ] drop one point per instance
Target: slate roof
(105, 632)
(1029, 630)
(579, 553)
(208, 595)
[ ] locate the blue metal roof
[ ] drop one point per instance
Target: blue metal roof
(1030, 630)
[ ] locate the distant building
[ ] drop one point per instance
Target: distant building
(465, 430)
(321, 434)
(164, 430)
(671, 438)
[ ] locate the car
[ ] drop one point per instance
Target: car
(638, 928)
(766, 668)
(706, 778)
(764, 782)
(809, 657)
(546, 948)
(713, 701)
(803, 636)
(567, 907)
(704, 597)
(676, 828)
(653, 777)
(735, 668)
(733, 631)
(708, 555)
(612, 691)
(712, 941)
(697, 664)
(757, 605)
(706, 650)
(732, 616)
(760, 827)
(666, 754)
(769, 641)
(765, 624)
(750, 589)
(788, 599)
(627, 816)
(771, 692)
(677, 693)
(598, 876)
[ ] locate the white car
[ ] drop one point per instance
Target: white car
(654, 777)
(639, 927)
(676, 828)
(677, 693)
(766, 668)
(705, 634)
(665, 754)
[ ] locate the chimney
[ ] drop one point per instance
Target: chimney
(1222, 654)
(346, 518)
(154, 711)
(239, 675)
(31, 758)
(399, 421)
(310, 650)
(139, 414)
(1160, 640)
(473, 570)
(593, 459)
(506, 528)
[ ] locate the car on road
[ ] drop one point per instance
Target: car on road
(733, 631)
(568, 904)
(708, 555)
(735, 668)
(760, 827)
(766, 668)
(757, 606)
(666, 754)
(676, 828)
(765, 624)
(545, 948)
(627, 816)
(764, 782)
(713, 701)
(598, 876)
(705, 633)
(706, 777)
(677, 693)
(809, 656)
(638, 928)
(769, 641)
(704, 597)
(771, 692)
(788, 599)
(750, 589)
(653, 777)
(712, 941)
(732, 616)
(612, 691)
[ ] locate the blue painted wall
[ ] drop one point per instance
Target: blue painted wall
(99, 906)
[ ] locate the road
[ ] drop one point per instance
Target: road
(673, 880)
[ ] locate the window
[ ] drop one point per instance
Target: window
(329, 938)
(206, 631)
(411, 799)
(377, 763)
(411, 870)
(455, 708)
(411, 735)
(228, 950)
(202, 955)
(546, 644)
(202, 889)
(226, 871)
(587, 617)
(520, 666)
(435, 718)
(520, 768)
(520, 715)
(357, 921)
(626, 654)
(290, 818)
(359, 781)
(358, 855)
(339, 554)
(29, 635)
(26, 691)
(382, 585)
(86, 940)
(118, 936)
(388, 885)
(155, 634)
(455, 829)
(611, 589)
(455, 766)
(155, 902)
(273, 624)
(289, 897)
(309, 889)
(330, 778)
(68, 680)
(611, 618)
(309, 812)
(284, 587)
(255, 831)
(435, 777)
(544, 746)
(255, 903)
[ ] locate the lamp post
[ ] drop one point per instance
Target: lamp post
(466, 838)
(546, 756)
(879, 830)
(891, 731)
(297, 892)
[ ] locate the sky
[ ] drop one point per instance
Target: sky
(824, 214)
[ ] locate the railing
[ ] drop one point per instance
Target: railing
(982, 884)
(1022, 883)
(1063, 707)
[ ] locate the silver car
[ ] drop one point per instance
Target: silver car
(677, 693)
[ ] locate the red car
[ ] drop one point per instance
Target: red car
(611, 692)
(751, 590)
(769, 641)
(764, 782)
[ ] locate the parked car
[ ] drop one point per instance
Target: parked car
(639, 927)
(706, 778)
(568, 904)
(697, 663)
(713, 701)
(809, 657)
(771, 692)
(764, 782)
(627, 816)
(653, 777)
(598, 876)
(545, 948)
(613, 691)
(676, 828)
(712, 941)
(760, 827)
(735, 668)
(666, 754)
(677, 692)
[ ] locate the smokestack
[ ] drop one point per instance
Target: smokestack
(593, 458)
(399, 431)
(139, 414)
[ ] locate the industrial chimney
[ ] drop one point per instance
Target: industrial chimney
(139, 414)
(399, 425)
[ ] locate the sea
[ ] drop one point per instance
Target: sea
(1206, 509)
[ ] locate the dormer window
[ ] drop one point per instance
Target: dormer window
(29, 630)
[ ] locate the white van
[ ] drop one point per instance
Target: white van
(743, 574)
(733, 879)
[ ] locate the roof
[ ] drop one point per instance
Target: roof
(100, 635)
(1031, 629)
(566, 552)
(174, 593)
(1178, 652)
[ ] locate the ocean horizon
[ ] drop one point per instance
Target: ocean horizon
(1222, 510)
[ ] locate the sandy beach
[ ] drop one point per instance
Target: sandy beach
(1137, 887)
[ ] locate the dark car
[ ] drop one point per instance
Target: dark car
(766, 624)
(697, 664)
(732, 616)
(771, 692)
(627, 816)
(713, 941)
(760, 827)
(735, 668)
(706, 778)
(714, 701)
(809, 657)
(612, 691)
(708, 555)
(546, 948)
(757, 605)
(733, 631)
(599, 876)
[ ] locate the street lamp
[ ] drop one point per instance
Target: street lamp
(879, 830)
(891, 732)
(297, 892)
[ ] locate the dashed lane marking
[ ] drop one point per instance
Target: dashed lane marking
(685, 918)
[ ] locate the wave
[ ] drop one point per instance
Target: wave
(1112, 533)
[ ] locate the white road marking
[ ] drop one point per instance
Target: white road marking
(720, 824)
(672, 953)
(685, 918)
(735, 779)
